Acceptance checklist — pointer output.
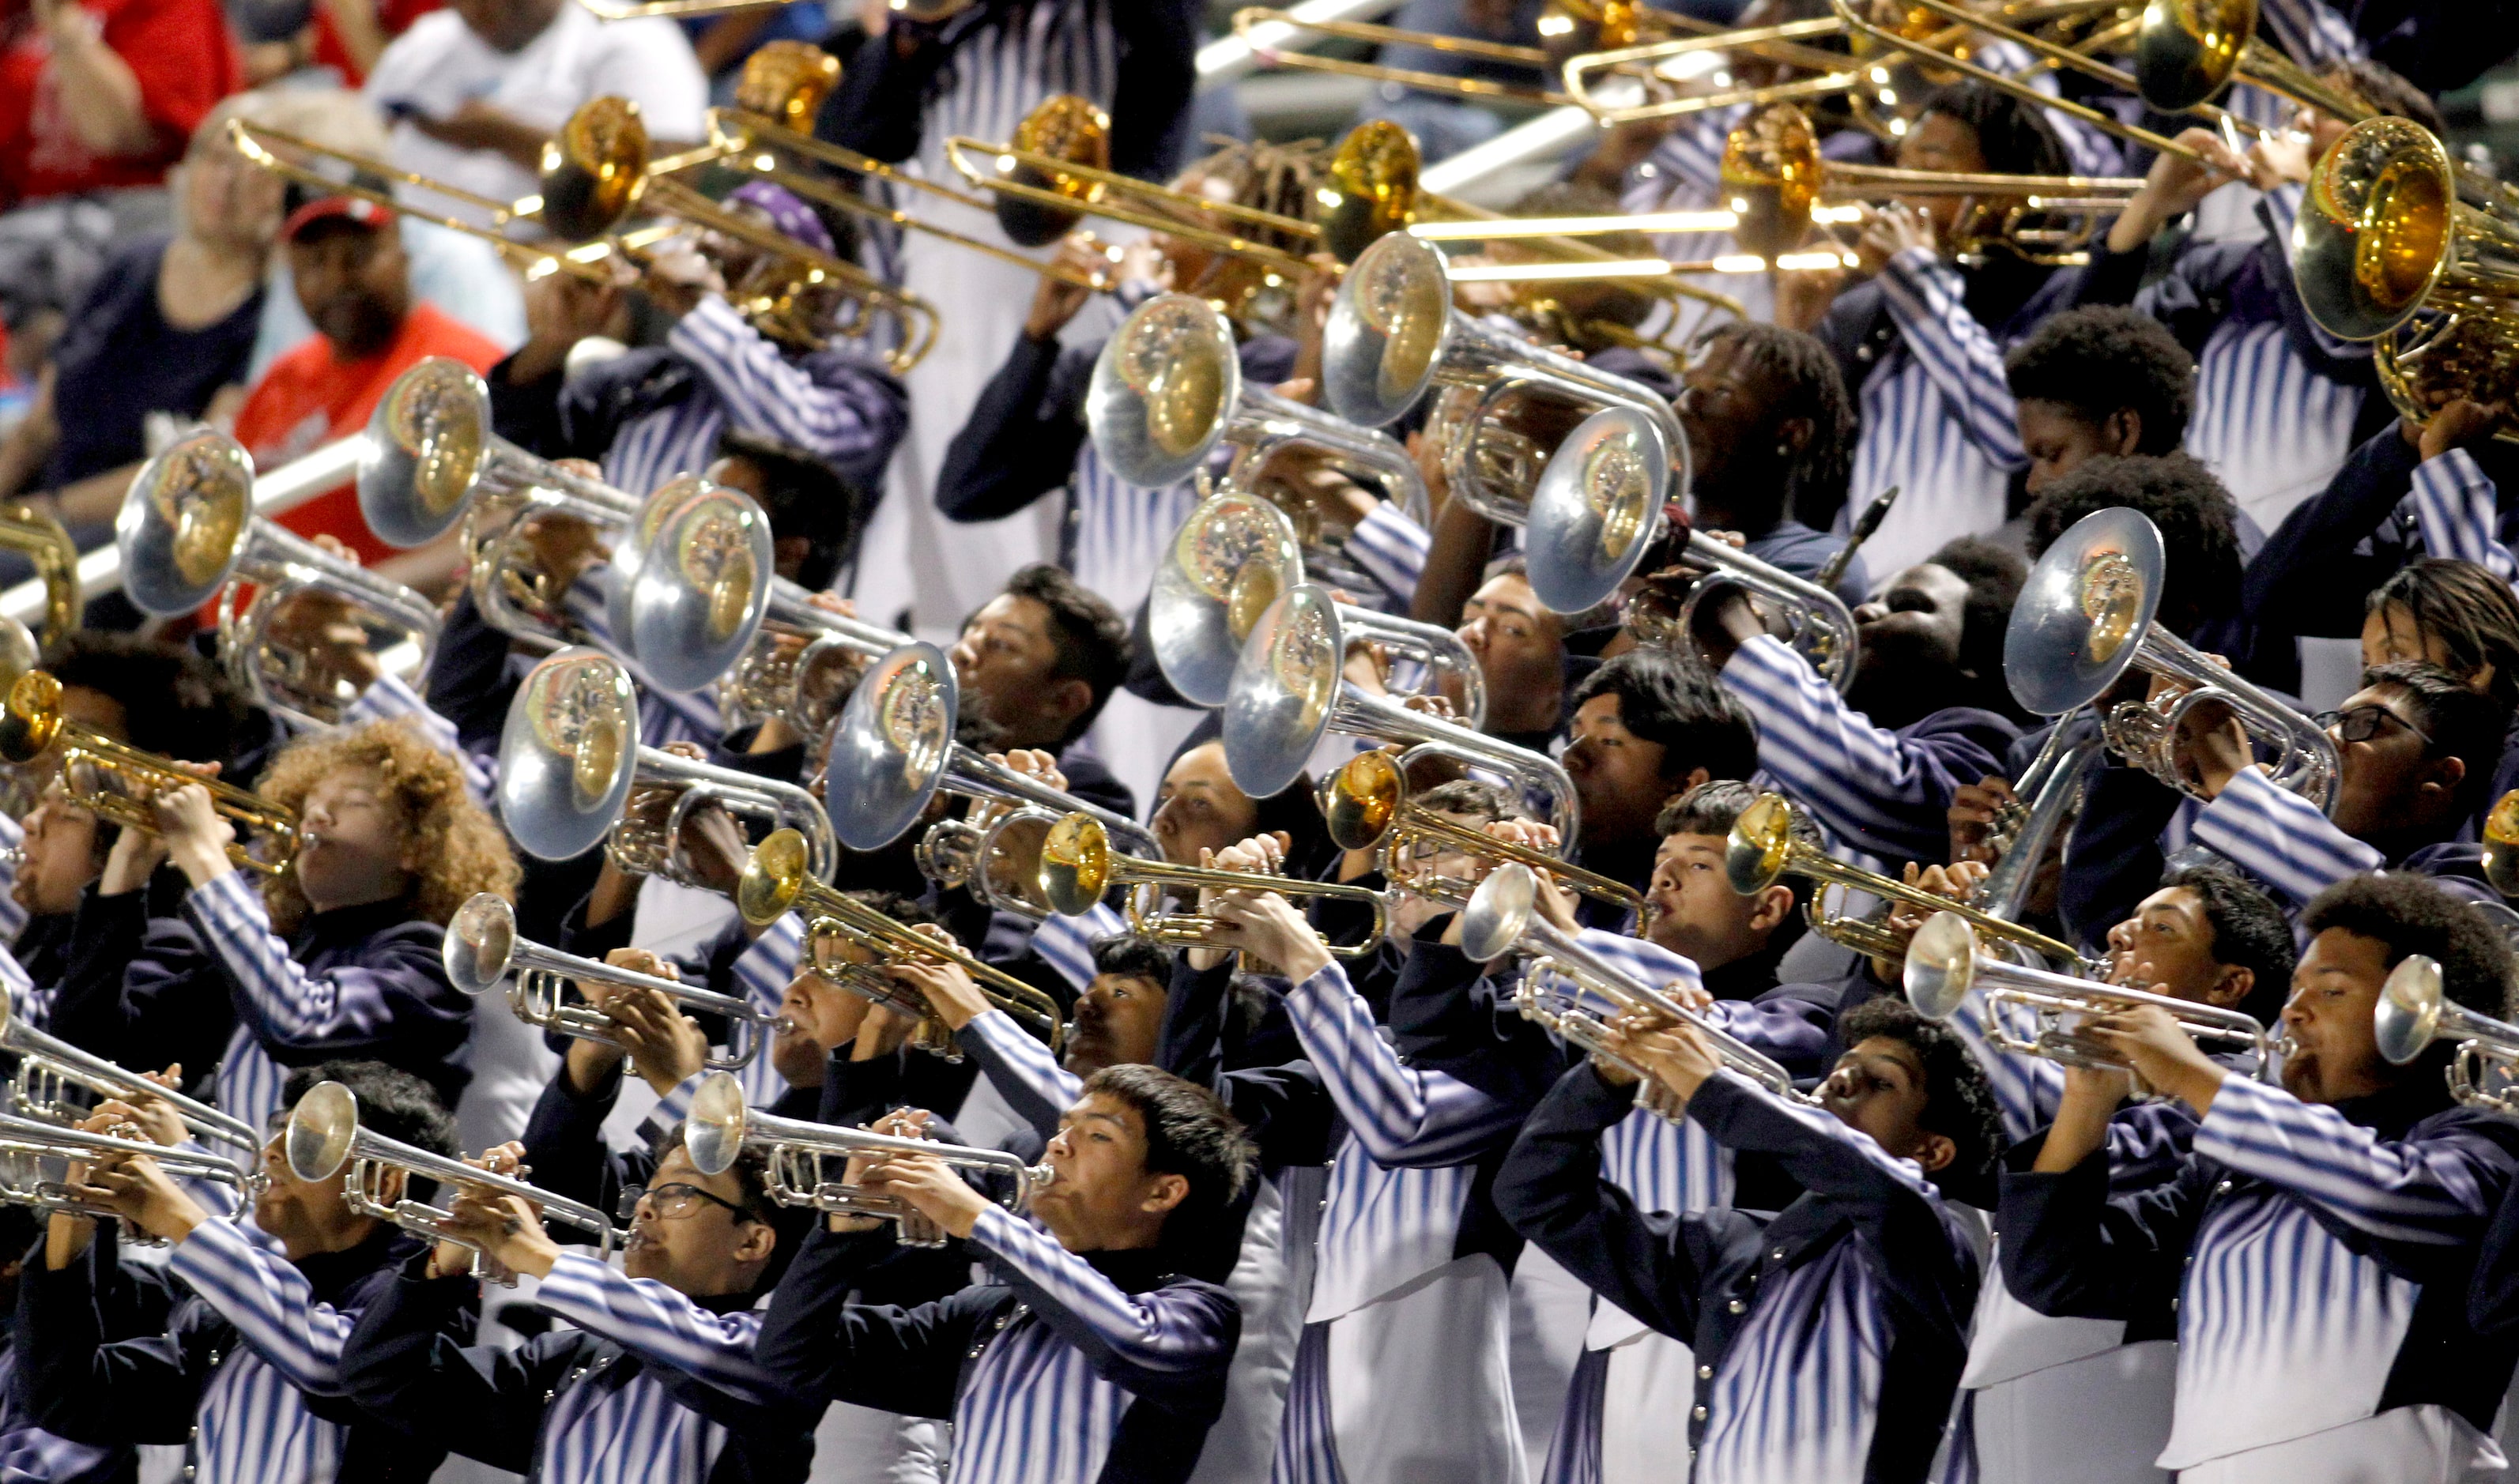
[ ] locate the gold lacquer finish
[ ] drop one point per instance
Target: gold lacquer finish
(594, 169)
(2501, 844)
(1368, 808)
(1077, 866)
(1369, 188)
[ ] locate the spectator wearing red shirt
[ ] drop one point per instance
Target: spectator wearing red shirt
(351, 276)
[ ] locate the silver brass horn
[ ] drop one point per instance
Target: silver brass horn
(893, 749)
(1222, 568)
(482, 948)
(28, 1144)
(1944, 963)
(1167, 390)
(803, 663)
(721, 1127)
(696, 595)
(1393, 334)
(1289, 691)
(2088, 611)
(48, 1067)
(187, 534)
(572, 772)
(2414, 1011)
(323, 1135)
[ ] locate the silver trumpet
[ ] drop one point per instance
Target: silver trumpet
(573, 773)
(2414, 1011)
(804, 662)
(893, 750)
(324, 1136)
(187, 534)
(48, 1067)
(27, 1143)
(1944, 963)
(721, 1127)
(1503, 917)
(1816, 622)
(1287, 692)
(1167, 389)
(482, 948)
(2088, 611)
(1222, 568)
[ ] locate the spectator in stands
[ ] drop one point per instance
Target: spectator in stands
(474, 90)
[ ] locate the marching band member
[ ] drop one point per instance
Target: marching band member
(2098, 380)
(1770, 430)
(1828, 1339)
(389, 845)
(1520, 645)
(2316, 1240)
(31, 1455)
(1645, 726)
(235, 1348)
(1093, 1354)
(1037, 660)
(654, 1378)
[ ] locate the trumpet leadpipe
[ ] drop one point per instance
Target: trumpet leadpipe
(482, 947)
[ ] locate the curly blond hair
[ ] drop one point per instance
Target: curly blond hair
(462, 849)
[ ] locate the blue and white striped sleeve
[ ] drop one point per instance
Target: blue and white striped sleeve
(2459, 508)
(659, 1323)
(1864, 782)
(13, 917)
(2281, 838)
(1927, 301)
(671, 1109)
(268, 1301)
(765, 392)
(390, 696)
(1685, 169)
(1404, 1117)
(1153, 1331)
(1066, 943)
(2430, 1191)
(1022, 1069)
(1392, 549)
(2027, 1090)
(290, 1003)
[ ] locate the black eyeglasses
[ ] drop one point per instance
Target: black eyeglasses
(2363, 722)
(675, 1201)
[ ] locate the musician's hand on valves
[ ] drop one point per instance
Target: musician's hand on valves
(1268, 927)
(1975, 809)
(156, 1118)
(142, 1193)
(1889, 231)
(197, 835)
(450, 1258)
(506, 1229)
(1951, 883)
(1678, 1057)
(2163, 1056)
(899, 1124)
(932, 1187)
(1257, 856)
(1033, 763)
(665, 1046)
(2213, 745)
(948, 990)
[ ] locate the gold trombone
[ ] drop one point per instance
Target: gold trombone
(1368, 808)
(92, 762)
(1273, 50)
(1835, 72)
(777, 880)
(2188, 51)
(1765, 846)
(40, 539)
(1077, 866)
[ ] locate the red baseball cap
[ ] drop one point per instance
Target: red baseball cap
(323, 208)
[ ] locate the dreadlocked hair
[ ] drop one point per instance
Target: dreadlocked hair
(1265, 177)
(1809, 385)
(458, 848)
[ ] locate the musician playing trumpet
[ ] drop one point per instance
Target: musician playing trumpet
(234, 1349)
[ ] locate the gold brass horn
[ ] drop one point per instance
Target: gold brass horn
(1077, 866)
(849, 943)
(2501, 844)
(1368, 806)
(2189, 50)
(119, 782)
(40, 539)
(1765, 846)
(1275, 47)
(482, 947)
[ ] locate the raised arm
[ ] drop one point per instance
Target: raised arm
(1927, 300)
(1021, 1069)
(2432, 1192)
(1402, 1115)
(402, 1365)
(660, 1324)
(1023, 435)
(814, 1342)
(268, 1301)
(2281, 838)
(845, 414)
(1171, 1343)
(400, 997)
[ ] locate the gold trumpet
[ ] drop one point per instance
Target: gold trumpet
(1077, 866)
(1368, 808)
(778, 880)
(40, 539)
(1765, 844)
(33, 723)
(2501, 844)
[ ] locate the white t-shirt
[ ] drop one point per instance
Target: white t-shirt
(433, 68)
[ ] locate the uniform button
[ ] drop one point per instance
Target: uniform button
(2221, 1189)
(1737, 1306)
(1705, 1373)
(1697, 1413)
(1778, 1254)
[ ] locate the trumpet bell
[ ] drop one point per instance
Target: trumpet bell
(1065, 127)
(1225, 565)
(2412, 1002)
(1941, 965)
(480, 943)
(1075, 864)
(322, 1128)
(891, 745)
(2084, 611)
(1596, 507)
(1163, 388)
(183, 530)
(1369, 188)
(1284, 690)
(426, 442)
(2374, 232)
(569, 753)
(701, 587)
(1362, 799)
(1499, 910)
(2501, 844)
(32, 719)
(713, 1134)
(2187, 49)
(1387, 330)
(773, 878)
(594, 170)
(1760, 845)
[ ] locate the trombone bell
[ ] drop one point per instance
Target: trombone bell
(568, 754)
(891, 744)
(1163, 390)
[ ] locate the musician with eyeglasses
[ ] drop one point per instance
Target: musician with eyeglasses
(654, 1375)
(2356, 1187)
(234, 1348)
(338, 953)
(1827, 1338)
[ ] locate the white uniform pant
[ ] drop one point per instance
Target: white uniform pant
(2101, 1419)
(1421, 1384)
(2403, 1445)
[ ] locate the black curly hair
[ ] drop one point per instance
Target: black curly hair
(391, 1101)
(2413, 914)
(2249, 932)
(2197, 520)
(174, 701)
(2013, 134)
(1091, 638)
(2462, 723)
(1678, 703)
(1959, 1102)
(2105, 357)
